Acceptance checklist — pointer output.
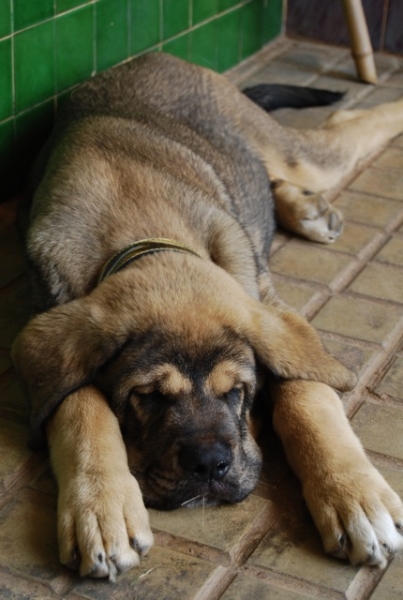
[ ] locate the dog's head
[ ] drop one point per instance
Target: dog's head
(176, 357)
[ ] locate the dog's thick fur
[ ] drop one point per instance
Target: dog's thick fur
(164, 353)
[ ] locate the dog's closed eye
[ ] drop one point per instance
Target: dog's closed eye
(151, 397)
(235, 394)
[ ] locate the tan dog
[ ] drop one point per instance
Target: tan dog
(148, 240)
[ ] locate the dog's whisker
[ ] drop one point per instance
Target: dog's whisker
(203, 508)
(193, 499)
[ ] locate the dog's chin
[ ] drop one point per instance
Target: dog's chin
(195, 495)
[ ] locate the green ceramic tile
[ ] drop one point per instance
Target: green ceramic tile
(145, 24)
(34, 65)
(251, 28)
(111, 32)
(180, 46)
(224, 4)
(203, 9)
(272, 20)
(175, 17)
(5, 17)
(29, 12)
(63, 5)
(228, 40)
(203, 48)
(6, 98)
(74, 46)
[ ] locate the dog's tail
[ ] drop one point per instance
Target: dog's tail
(271, 96)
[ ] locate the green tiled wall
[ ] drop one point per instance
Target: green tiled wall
(48, 46)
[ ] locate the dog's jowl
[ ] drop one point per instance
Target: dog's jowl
(148, 241)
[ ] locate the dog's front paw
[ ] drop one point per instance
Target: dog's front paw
(358, 515)
(103, 526)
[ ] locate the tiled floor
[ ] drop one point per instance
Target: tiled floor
(265, 547)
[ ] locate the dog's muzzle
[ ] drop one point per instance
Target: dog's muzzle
(206, 462)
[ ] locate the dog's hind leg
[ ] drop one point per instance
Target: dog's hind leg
(316, 160)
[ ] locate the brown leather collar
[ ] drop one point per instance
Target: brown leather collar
(138, 249)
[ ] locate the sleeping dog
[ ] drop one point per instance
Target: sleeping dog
(148, 243)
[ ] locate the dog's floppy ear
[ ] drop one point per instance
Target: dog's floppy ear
(60, 351)
(290, 347)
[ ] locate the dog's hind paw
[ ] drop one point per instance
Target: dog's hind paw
(307, 214)
(324, 223)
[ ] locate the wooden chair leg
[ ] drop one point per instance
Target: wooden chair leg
(360, 41)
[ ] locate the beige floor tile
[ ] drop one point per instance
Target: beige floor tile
(396, 80)
(351, 87)
(380, 428)
(163, 574)
(392, 252)
(385, 183)
(392, 158)
(380, 281)
(384, 65)
(14, 450)
(366, 209)
(392, 382)
(380, 95)
(13, 587)
(279, 72)
(353, 239)
(28, 542)
(246, 586)
(352, 356)
(314, 56)
(358, 318)
(294, 295)
(299, 553)
(217, 527)
(390, 587)
(398, 142)
(394, 477)
(308, 261)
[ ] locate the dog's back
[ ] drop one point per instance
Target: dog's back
(141, 151)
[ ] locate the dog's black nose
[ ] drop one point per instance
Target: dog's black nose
(206, 462)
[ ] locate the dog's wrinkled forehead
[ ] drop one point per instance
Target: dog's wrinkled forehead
(175, 365)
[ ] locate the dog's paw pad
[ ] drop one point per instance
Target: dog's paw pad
(326, 227)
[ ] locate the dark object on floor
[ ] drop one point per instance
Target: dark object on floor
(272, 96)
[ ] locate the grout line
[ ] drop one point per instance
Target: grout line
(354, 400)
(216, 584)
(385, 461)
(94, 38)
(364, 583)
(294, 584)
(23, 475)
